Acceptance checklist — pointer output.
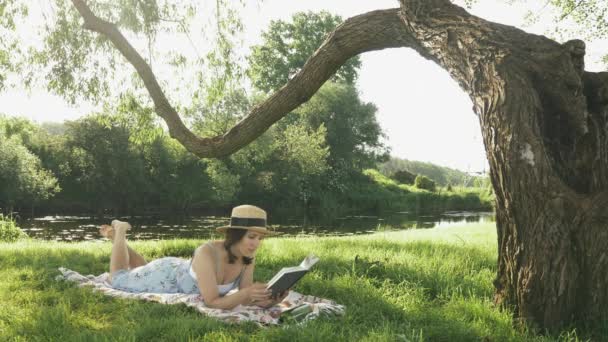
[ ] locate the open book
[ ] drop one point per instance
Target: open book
(288, 276)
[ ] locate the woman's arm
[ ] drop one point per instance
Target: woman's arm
(203, 266)
(247, 281)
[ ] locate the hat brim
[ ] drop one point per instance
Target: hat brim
(260, 230)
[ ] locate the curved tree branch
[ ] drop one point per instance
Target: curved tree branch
(375, 30)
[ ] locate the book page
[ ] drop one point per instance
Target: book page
(309, 261)
(283, 271)
(306, 264)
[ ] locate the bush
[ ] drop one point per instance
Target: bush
(404, 177)
(9, 232)
(423, 182)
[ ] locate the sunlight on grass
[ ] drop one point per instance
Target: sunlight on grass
(413, 285)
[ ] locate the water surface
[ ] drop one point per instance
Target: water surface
(81, 228)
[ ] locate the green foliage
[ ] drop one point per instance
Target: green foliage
(125, 163)
(285, 168)
(304, 149)
(53, 128)
(307, 163)
(302, 155)
(9, 231)
(142, 122)
(423, 182)
(353, 132)
(282, 169)
(104, 163)
(220, 100)
(67, 58)
(22, 129)
(23, 180)
(310, 163)
(440, 174)
(220, 110)
(590, 15)
(76, 63)
(177, 180)
(380, 194)
(11, 12)
(288, 45)
(404, 177)
(225, 183)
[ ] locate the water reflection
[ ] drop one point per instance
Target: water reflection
(77, 228)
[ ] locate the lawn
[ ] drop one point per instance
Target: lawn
(415, 285)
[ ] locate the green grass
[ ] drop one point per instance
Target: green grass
(416, 285)
(384, 194)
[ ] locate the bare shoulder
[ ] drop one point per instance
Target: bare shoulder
(206, 249)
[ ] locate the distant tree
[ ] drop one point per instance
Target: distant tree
(440, 174)
(105, 169)
(23, 129)
(353, 132)
(286, 45)
(178, 180)
(54, 128)
(404, 177)
(284, 168)
(23, 181)
(423, 182)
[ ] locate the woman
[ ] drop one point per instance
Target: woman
(221, 271)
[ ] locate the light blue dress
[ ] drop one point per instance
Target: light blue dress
(167, 275)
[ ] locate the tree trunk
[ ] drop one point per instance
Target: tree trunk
(543, 121)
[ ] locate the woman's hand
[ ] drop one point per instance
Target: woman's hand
(273, 301)
(257, 293)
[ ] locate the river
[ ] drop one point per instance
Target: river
(81, 228)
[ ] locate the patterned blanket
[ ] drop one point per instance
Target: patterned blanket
(313, 306)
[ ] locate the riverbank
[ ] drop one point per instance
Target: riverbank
(414, 285)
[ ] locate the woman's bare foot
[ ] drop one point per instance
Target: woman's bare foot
(120, 226)
(106, 231)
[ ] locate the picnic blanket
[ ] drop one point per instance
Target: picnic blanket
(308, 307)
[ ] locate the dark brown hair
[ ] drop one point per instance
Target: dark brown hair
(233, 236)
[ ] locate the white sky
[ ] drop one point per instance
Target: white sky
(421, 109)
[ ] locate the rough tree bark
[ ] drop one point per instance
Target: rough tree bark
(544, 123)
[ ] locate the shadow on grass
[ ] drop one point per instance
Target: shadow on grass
(42, 308)
(59, 310)
(386, 298)
(376, 286)
(428, 265)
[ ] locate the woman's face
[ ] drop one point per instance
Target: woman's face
(249, 243)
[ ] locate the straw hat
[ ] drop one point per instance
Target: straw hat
(248, 217)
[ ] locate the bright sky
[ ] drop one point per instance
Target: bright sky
(421, 109)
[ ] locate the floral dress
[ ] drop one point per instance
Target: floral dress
(166, 275)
